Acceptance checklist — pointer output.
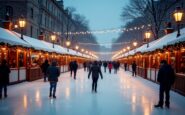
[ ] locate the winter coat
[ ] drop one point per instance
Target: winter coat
(166, 76)
(71, 65)
(105, 64)
(134, 66)
(4, 74)
(44, 67)
(75, 66)
(110, 66)
(53, 73)
(95, 70)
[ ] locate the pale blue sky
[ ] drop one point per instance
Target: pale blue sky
(101, 14)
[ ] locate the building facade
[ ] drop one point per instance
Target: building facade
(43, 17)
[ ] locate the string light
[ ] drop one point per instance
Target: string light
(117, 30)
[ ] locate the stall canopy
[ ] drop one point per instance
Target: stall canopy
(9, 38)
(159, 43)
(35, 43)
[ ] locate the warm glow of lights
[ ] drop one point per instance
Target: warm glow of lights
(178, 14)
(53, 38)
(22, 22)
(68, 43)
(128, 48)
(77, 47)
(15, 26)
(82, 50)
(25, 101)
(147, 34)
(134, 44)
(3, 49)
(18, 50)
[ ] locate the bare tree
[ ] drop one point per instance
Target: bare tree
(153, 11)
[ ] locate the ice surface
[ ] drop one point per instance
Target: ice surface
(118, 94)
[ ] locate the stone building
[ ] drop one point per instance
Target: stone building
(43, 17)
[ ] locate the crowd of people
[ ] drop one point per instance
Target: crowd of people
(166, 76)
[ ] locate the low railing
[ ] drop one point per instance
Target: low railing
(34, 73)
(179, 85)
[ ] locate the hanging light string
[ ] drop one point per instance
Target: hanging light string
(99, 44)
(117, 30)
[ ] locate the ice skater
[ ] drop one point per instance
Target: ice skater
(134, 67)
(166, 78)
(44, 68)
(53, 73)
(75, 68)
(4, 78)
(95, 70)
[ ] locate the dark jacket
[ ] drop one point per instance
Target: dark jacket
(134, 66)
(75, 66)
(166, 75)
(44, 67)
(53, 73)
(4, 74)
(95, 70)
(105, 64)
(71, 65)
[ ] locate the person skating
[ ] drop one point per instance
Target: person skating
(115, 65)
(4, 78)
(75, 67)
(134, 67)
(71, 67)
(44, 68)
(110, 67)
(125, 65)
(85, 66)
(53, 73)
(166, 78)
(95, 70)
(105, 66)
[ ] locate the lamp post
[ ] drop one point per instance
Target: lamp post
(77, 47)
(178, 14)
(68, 43)
(147, 37)
(135, 44)
(53, 38)
(22, 24)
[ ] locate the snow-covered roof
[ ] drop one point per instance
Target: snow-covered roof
(10, 38)
(159, 43)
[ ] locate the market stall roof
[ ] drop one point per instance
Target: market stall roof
(57, 48)
(36, 43)
(159, 43)
(9, 37)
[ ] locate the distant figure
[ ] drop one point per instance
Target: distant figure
(166, 78)
(125, 65)
(44, 68)
(85, 66)
(134, 66)
(75, 67)
(115, 65)
(100, 64)
(53, 73)
(71, 67)
(118, 63)
(4, 78)
(95, 70)
(110, 67)
(105, 66)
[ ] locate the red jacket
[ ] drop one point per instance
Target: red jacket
(110, 66)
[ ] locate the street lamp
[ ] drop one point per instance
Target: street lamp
(77, 47)
(178, 14)
(147, 37)
(22, 24)
(135, 44)
(53, 38)
(128, 48)
(68, 43)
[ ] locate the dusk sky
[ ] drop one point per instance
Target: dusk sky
(101, 14)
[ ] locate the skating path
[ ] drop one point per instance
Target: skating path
(118, 94)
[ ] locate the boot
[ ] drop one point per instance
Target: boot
(54, 97)
(158, 106)
(50, 95)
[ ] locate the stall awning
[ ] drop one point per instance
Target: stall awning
(9, 37)
(35, 43)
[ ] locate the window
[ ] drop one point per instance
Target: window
(32, 13)
(9, 13)
(31, 31)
